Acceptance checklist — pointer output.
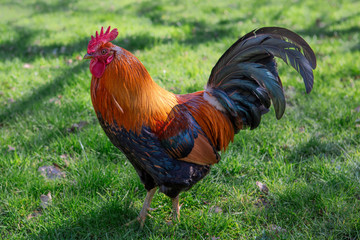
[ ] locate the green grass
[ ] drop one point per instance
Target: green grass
(310, 159)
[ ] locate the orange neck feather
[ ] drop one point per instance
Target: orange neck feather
(127, 94)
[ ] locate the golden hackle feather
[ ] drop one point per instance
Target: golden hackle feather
(129, 96)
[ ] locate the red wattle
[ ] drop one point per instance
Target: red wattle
(97, 68)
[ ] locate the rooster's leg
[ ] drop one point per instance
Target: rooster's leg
(144, 211)
(176, 208)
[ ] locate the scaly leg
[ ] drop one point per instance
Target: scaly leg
(176, 208)
(144, 211)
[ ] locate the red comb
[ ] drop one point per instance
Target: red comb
(96, 41)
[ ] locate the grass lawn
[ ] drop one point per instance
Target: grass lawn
(309, 160)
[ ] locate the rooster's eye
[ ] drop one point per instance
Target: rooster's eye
(103, 52)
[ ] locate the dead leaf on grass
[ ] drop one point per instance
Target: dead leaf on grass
(262, 202)
(357, 109)
(27, 65)
(206, 202)
(215, 209)
(56, 100)
(45, 200)
(320, 23)
(63, 49)
(65, 158)
(285, 146)
(51, 172)
(11, 148)
(276, 229)
(263, 188)
(77, 126)
(34, 214)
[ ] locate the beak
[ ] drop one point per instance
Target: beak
(88, 56)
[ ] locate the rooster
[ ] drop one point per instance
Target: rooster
(173, 140)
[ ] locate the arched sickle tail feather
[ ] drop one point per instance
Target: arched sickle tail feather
(247, 73)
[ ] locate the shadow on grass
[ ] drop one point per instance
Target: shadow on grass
(321, 29)
(24, 105)
(200, 31)
(298, 207)
(22, 46)
(314, 147)
(102, 223)
(42, 7)
(45, 7)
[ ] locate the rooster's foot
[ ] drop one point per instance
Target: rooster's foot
(144, 211)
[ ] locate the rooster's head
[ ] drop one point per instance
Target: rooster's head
(101, 51)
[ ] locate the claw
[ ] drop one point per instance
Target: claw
(144, 211)
(140, 219)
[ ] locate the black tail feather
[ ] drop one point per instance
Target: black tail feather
(248, 68)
